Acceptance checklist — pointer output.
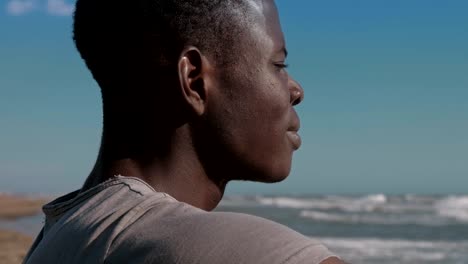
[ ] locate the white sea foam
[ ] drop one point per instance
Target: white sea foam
(287, 202)
(376, 208)
(369, 203)
(455, 207)
(349, 204)
(379, 219)
(373, 250)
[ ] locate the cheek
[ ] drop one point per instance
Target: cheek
(276, 101)
(271, 107)
(264, 127)
(252, 121)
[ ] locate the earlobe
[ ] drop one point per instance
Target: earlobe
(191, 77)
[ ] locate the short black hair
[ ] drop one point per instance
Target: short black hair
(117, 37)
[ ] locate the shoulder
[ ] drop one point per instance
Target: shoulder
(245, 225)
(185, 233)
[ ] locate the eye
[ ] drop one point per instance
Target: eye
(281, 65)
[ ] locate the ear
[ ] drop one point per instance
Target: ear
(192, 69)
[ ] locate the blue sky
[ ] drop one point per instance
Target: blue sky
(386, 108)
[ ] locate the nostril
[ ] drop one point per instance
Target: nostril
(297, 97)
(296, 92)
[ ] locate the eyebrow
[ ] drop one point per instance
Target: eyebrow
(285, 52)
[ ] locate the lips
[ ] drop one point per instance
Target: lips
(292, 134)
(295, 139)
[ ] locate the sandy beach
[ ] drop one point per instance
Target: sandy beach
(14, 245)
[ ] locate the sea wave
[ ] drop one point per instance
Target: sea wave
(455, 207)
(368, 209)
(366, 203)
(363, 204)
(374, 250)
(377, 219)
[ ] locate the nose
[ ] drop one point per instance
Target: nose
(296, 91)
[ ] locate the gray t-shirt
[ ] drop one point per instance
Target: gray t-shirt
(124, 220)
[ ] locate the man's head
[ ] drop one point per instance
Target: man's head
(115, 36)
(215, 67)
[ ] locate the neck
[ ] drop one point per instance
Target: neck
(176, 171)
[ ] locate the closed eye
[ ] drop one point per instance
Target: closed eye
(281, 65)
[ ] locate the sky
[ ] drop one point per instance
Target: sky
(385, 109)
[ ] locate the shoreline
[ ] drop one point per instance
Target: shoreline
(14, 207)
(14, 245)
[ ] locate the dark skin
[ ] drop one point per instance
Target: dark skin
(227, 123)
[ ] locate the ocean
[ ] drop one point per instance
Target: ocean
(372, 229)
(369, 229)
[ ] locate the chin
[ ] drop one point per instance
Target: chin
(275, 174)
(265, 175)
(274, 179)
(278, 171)
(277, 178)
(275, 168)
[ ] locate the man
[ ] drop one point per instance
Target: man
(195, 94)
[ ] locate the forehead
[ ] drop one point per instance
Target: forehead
(267, 25)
